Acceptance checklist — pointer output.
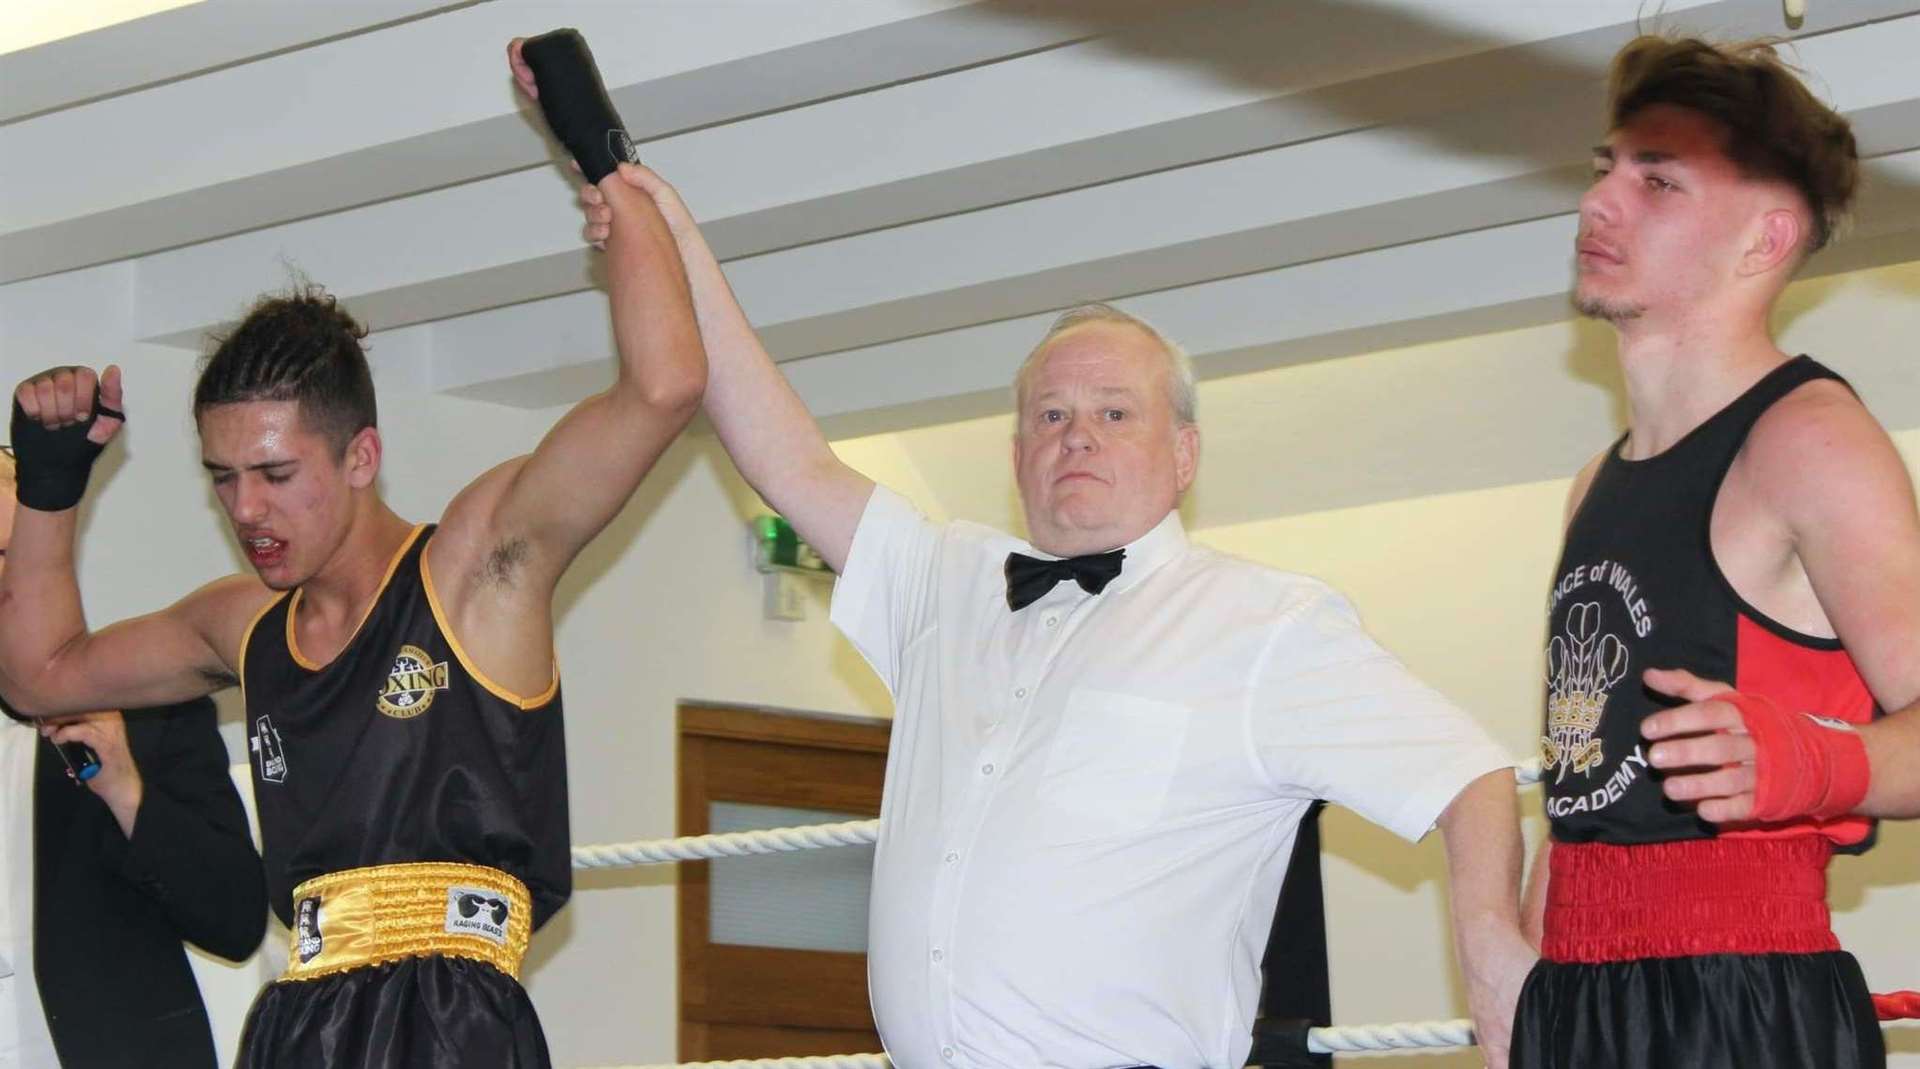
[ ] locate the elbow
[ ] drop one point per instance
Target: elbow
(675, 395)
(16, 698)
(31, 687)
(22, 701)
(684, 394)
(237, 944)
(241, 927)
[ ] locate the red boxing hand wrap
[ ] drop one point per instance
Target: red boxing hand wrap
(1803, 766)
(1897, 1006)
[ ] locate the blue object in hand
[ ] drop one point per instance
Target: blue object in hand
(80, 759)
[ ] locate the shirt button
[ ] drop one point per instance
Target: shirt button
(938, 954)
(986, 770)
(1019, 692)
(1053, 621)
(947, 1053)
(952, 857)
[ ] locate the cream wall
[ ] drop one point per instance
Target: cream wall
(664, 607)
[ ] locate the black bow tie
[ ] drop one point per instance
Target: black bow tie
(1029, 579)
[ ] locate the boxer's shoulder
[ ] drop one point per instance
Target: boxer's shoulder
(1816, 442)
(1811, 415)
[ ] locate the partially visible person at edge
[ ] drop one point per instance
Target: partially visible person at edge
(402, 694)
(103, 882)
(1738, 597)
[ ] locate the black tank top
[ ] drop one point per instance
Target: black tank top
(1637, 587)
(400, 750)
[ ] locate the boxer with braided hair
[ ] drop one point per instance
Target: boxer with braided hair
(401, 688)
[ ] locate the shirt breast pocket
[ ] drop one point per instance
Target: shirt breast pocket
(1110, 765)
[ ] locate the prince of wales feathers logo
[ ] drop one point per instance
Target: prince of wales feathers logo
(1583, 665)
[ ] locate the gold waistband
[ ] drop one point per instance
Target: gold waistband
(358, 917)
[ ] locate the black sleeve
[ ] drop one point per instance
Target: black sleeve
(191, 848)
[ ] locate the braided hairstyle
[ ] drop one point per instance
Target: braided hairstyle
(297, 346)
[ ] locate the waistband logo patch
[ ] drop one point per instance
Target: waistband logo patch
(411, 684)
(478, 911)
(306, 928)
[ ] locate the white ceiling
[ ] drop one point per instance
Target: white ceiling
(904, 189)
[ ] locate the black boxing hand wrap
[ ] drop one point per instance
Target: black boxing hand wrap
(575, 103)
(53, 465)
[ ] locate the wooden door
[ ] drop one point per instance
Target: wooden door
(741, 998)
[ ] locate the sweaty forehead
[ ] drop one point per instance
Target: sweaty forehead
(252, 432)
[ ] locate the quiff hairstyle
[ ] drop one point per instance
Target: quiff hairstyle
(1773, 127)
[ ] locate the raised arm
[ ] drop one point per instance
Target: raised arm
(764, 425)
(50, 664)
(54, 666)
(768, 432)
(539, 511)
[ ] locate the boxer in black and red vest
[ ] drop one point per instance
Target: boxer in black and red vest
(1737, 600)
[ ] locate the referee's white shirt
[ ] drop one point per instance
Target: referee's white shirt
(1090, 803)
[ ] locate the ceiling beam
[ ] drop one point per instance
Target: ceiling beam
(346, 123)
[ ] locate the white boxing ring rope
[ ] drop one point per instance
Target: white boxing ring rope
(781, 840)
(729, 844)
(1405, 1035)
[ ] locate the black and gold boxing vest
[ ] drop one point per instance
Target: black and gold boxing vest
(400, 750)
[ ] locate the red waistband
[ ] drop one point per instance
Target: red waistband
(1679, 899)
